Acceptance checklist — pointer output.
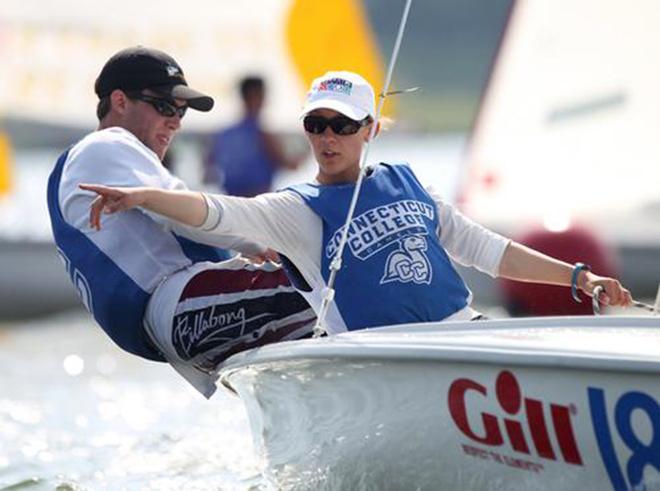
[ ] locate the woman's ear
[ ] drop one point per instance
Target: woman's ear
(366, 136)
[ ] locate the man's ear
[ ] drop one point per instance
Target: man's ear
(118, 101)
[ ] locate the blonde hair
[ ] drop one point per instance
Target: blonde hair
(386, 123)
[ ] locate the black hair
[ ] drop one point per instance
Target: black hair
(248, 84)
(103, 107)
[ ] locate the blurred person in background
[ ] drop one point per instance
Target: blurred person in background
(148, 282)
(242, 159)
(396, 268)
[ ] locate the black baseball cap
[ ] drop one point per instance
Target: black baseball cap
(140, 68)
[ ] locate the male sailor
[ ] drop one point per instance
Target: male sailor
(148, 282)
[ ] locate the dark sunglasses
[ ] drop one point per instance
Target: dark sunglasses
(341, 125)
(164, 107)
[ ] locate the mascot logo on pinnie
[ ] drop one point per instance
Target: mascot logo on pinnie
(408, 262)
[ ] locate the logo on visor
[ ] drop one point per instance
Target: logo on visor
(336, 85)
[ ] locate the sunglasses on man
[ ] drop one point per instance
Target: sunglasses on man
(164, 107)
(340, 125)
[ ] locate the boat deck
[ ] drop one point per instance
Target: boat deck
(600, 343)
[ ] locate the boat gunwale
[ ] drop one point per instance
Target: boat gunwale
(386, 343)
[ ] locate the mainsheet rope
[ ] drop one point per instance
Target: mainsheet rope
(335, 265)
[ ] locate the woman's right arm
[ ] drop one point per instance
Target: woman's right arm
(183, 206)
(280, 221)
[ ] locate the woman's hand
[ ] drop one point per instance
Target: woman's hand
(112, 200)
(613, 292)
(269, 255)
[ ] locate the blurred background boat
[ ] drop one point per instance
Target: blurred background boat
(566, 140)
(32, 278)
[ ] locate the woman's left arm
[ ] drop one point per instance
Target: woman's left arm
(524, 264)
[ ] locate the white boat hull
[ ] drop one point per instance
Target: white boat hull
(496, 405)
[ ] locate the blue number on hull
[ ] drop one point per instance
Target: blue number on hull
(642, 454)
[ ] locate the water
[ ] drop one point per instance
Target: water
(76, 413)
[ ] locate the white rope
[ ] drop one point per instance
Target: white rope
(595, 300)
(335, 265)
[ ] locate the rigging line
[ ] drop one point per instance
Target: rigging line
(335, 265)
(397, 92)
(645, 306)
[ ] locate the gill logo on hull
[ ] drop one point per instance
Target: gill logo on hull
(519, 410)
(626, 426)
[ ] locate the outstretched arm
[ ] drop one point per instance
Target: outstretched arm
(524, 264)
(186, 207)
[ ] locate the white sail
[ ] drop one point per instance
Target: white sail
(568, 128)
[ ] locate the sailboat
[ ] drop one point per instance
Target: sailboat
(539, 403)
(545, 403)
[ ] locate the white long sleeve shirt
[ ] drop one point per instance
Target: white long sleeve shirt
(285, 223)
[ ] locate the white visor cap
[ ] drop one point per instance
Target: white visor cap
(345, 92)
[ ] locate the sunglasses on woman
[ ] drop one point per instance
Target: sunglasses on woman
(341, 125)
(164, 107)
